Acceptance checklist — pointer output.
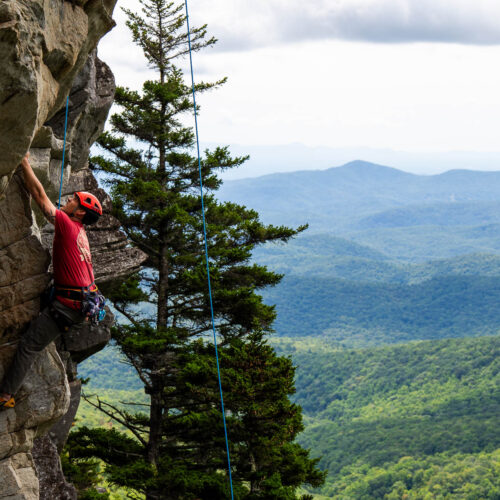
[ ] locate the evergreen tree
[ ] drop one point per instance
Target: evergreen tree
(175, 447)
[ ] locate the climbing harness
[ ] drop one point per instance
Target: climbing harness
(206, 251)
(93, 303)
(91, 300)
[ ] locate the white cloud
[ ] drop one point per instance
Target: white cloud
(244, 24)
(338, 93)
(343, 94)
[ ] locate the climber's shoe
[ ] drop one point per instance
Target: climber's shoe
(7, 403)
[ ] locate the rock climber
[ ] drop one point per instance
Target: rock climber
(74, 286)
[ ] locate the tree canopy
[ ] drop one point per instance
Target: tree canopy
(175, 446)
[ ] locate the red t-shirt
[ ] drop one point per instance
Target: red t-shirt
(71, 256)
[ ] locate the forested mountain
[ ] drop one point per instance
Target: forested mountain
(446, 306)
(400, 420)
(360, 186)
(406, 216)
(433, 402)
(328, 256)
(379, 303)
(436, 214)
(389, 256)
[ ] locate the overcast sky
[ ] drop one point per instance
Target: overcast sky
(407, 75)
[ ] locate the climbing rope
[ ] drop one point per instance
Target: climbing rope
(64, 150)
(204, 235)
(206, 251)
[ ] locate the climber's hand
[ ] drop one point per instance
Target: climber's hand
(25, 161)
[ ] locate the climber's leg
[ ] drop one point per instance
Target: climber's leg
(42, 331)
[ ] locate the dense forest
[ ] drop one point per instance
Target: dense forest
(446, 306)
(409, 419)
(388, 309)
(328, 256)
(437, 477)
(420, 419)
(381, 404)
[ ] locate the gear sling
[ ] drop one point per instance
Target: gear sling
(91, 299)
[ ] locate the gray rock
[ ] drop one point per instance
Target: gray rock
(18, 478)
(90, 99)
(86, 339)
(47, 49)
(42, 400)
(53, 484)
(43, 46)
(58, 434)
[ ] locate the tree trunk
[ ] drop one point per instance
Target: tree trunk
(155, 424)
(162, 316)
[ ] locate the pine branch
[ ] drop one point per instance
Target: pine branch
(138, 369)
(128, 315)
(128, 403)
(140, 243)
(122, 419)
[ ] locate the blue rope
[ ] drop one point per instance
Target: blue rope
(206, 251)
(64, 150)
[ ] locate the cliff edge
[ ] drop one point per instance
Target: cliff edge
(47, 52)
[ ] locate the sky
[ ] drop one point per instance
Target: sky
(412, 83)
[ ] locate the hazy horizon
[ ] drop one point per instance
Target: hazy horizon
(268, 159)
(403, 78)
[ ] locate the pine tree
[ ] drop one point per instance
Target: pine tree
(175, 447)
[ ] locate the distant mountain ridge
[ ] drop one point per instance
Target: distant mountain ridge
(389, 257)
(296, 156)
(391, 211)
(439, 214)
(361, 178)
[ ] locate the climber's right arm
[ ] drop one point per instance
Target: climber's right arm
(34, 186)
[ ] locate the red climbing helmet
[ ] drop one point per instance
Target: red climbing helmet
(89, 201)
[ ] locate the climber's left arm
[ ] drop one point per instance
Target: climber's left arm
(34, 186)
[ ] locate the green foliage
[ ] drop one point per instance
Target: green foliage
(438, 477)
(107, 369)
(253, 378)
(447, 306)
(437, 402)
(366, 409)
(422, 243)
(376, 300)
(84, 474)
(328, 256)
(173, 445)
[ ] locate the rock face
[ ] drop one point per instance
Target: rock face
(43, 46)
(53, 484)
(47, 51)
